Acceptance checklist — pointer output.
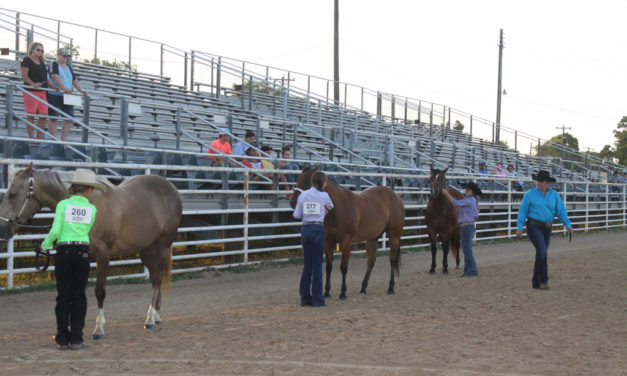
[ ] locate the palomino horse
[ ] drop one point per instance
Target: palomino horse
(441, 219)
(140, 215)
(356, 218)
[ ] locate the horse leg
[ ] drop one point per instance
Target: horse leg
(395, 260)
(371, 247)
(445, 257)
(157, 260)
(346, 252)
(101, 280)
(328, 253)
(434, 250)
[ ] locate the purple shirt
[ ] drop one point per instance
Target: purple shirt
(311, 205)
(468, 209)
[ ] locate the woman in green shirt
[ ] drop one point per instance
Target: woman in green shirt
(73, 219)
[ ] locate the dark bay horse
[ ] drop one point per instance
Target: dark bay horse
(441, 220)
(358, 217)
(141, 215)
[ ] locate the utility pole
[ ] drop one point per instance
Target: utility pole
(336, 55)
(498, 95)
(563, 128)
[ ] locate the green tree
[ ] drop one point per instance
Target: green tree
(620, 142)
(458, 126)
(547, 149)
(606, 153)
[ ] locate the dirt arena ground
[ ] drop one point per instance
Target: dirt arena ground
(252, 324)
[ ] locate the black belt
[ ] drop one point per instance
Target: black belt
(545, 224)
(73, 243)
(313, 223)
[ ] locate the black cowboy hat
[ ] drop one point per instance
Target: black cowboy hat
(473, 187)
(543, 175)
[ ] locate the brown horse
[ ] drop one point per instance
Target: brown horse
(358, 217)
(441, 219)
(142, 215)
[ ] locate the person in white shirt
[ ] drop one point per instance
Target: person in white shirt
(311, 206)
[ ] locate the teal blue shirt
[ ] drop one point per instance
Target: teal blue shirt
(542, 207)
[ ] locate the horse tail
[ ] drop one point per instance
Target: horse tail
(396, 262)
(165, 274)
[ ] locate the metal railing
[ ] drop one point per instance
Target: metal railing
(247, 226)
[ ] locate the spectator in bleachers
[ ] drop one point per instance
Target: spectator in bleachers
(33, 69)
(483, 168)
(500, 170)
(61, 78)
(518, 186)
(222, 145)
(624, 178)
(614, 179)
(240, 147)
(286, 153)
(268, 165)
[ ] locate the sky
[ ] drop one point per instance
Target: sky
(564, 62)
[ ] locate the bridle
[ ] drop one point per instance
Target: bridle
(29, 196)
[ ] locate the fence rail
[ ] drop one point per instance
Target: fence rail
(246, 226)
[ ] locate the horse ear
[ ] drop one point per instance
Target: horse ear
(444, 171)
(431, 168)
(316, 168)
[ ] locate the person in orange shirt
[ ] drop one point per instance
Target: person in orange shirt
(221, 144)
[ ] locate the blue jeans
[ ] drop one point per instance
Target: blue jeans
(312, 237)
(540, 237)
(291, 178)
(470, 266)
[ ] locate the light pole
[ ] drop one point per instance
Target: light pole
(498, 95)
(336, 54)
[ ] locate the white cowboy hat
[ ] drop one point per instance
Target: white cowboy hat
(86, 177)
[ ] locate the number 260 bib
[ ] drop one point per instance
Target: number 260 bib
(78, 214)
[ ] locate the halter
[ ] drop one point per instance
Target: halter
(30, 195)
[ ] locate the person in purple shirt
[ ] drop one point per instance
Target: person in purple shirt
(311, 207)
(467, 216)
(539, 208)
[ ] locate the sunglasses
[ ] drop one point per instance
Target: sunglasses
(39, 50)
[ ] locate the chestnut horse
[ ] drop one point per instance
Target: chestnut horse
(441, 219)
(358, 217)
(141, 215)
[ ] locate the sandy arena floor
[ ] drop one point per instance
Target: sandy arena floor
(252, 323)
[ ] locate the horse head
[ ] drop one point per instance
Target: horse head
(20, 202)
(437, 181)
(303, 183)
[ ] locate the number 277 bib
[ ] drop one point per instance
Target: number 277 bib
(311, 208)
(78, 214)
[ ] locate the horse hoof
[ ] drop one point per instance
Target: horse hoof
(432, 271)
(362, 291)
(149, 326)
(456, 266)
(391, 292)
(327, 295)
(342, 297)
(157, 322)
(96, 337)
(445, 271)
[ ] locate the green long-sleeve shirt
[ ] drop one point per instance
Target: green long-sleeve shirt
(73, 219)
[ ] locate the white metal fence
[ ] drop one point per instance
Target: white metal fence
(249, 225)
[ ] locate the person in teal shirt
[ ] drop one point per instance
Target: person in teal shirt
(539, 208)
(73, 219)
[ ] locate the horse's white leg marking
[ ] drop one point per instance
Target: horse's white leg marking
(100, 321)
(157, 318)
(150, 319)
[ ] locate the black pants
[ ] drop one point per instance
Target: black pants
(71, 270)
